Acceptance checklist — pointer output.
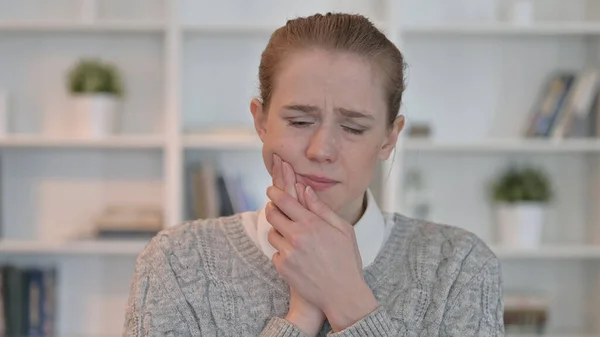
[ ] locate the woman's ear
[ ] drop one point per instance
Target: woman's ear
(260, 117)
(392, 138)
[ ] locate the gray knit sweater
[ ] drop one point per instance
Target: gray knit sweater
(208, 278)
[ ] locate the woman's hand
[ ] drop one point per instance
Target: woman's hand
(305, 315)
(317, 255)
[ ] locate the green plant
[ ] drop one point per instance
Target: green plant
(90, 76)
(526, 184)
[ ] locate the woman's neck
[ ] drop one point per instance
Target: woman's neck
(354, 210)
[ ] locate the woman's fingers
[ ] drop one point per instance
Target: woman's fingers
(300, 192)
(287, 205)
(277, 172)
(289, 178)
(278, 241)
(278, 220)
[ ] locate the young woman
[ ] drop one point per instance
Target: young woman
(320, 258)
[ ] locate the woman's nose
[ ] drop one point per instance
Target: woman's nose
(322, 146)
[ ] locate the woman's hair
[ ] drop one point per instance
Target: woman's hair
(336, 32)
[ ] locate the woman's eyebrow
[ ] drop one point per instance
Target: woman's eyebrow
(354, 114)
(309, 109)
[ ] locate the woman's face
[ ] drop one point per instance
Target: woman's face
(328, 119)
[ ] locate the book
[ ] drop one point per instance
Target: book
(28, 301)
(15, 300)
(213, 193)
(525, 312)
(574, 119)
(549, 104)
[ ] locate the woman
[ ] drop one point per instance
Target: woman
(320, 258)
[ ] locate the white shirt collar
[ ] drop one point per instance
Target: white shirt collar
(369, 230)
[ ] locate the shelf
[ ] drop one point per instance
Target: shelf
(242, 28)
(546, 28)
(549, 252)
(223, 141)
(114, 142)
(57, 26)
(98, 247)
(504, 145)
(231, 28)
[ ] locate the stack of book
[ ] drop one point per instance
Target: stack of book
(567, 106)
(213, 194)
(28, 301)
(525, 313)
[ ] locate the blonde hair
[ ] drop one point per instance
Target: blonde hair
(336, 32)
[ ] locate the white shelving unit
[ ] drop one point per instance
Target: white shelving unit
(500, 29)
(190, 68)
(119, 142)
(567, 146)
(68, 248)
(69, 27)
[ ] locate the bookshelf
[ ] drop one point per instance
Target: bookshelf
(504, 145)
(500, 29)
(190, 68)
(70, 27)
(125, 248)
(118, 142)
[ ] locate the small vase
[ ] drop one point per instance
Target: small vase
(94, 115)
(520, 224)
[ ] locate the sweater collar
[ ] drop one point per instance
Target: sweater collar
(369, 231)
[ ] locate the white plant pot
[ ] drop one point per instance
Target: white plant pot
(94, 116)
(520, 225)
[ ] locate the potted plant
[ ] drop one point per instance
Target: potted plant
(521, 197)
(96, 89)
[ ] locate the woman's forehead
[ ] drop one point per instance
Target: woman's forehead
(329, 80)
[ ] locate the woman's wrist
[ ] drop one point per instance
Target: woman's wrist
(350, 307)
(308, 323)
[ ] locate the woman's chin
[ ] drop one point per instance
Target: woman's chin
(331, 199)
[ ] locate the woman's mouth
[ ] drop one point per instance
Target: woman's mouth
(317, 183)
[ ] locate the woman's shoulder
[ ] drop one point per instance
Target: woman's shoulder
(189, 239)
(437, 243)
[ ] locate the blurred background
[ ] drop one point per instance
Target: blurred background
(122, 117)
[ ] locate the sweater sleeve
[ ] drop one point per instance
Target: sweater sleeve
(280, 327)
(150, 310)
(376, 324)
(476, 308)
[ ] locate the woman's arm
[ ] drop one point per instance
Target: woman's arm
(150, 308)
(475, 307)
(157, 306)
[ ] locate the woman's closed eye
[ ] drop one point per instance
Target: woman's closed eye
(353, 130)
(300, 123)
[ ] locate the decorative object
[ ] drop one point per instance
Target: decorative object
(125, 221)
(526, 312)
(419, 130)
(96, 89)
(521, 197)
(416, 196)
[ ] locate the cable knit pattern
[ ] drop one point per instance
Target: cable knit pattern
(207, 278)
